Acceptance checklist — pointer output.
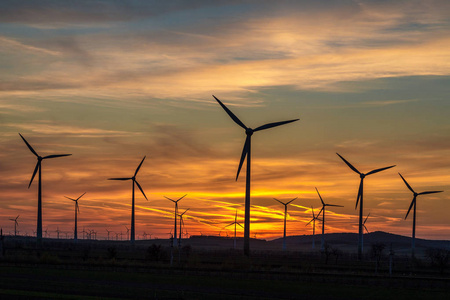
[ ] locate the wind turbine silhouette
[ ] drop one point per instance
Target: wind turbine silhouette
(235, 223)
(413, 203)
(77, 210)
(285, 214)
(246, 152)
(360, 196)
(313, 220)
(181, 225)
(36, 169)
(174, 240)
(134, 181)
(322, 210)
(15, 225)
(108, 233)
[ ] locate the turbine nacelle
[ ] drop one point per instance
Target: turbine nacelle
(249, 131)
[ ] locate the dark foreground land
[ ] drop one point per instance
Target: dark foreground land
(109, 270)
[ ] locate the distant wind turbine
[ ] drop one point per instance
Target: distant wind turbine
(235, 223)
(134, 181)
(108, 233)
(246, 152)
(181, 227)
(413, 203)
(322, 211)
(360, 196)
(36, 169)
(285, 215)
(313, 220)
(77, 210)
(174, 240)
(15, 224)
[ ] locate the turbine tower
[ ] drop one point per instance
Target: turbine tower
(174, 240)
(15, 224)
(77, 210)
(360, 196)
(413, 203)
(246, 152)
(285, 214)
(36, 169)
(134, 181)
(313, 220)
(235, 223)
(322, 210)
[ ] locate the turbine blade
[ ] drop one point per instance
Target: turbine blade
(184, 212)
(232, 116)
(312, 209)
(181, 198)
(334, 205)
(349, 164)
(409, 187)
(270, 125)
(412, 203)
(365, 228)
(137, 170)
(319, 213)
(243, 155)
(170, 199)
(379, 170)
(55, 155)
(359, 192)
(229, 225)
(142, 191)
(291, 200)
(29, 146)
(365, 220)
(38, 165)
(240, 225)
(320, 196)
(78, 207)
(309, 222)
(430, 192)
(70, 198)
(279, 201)
(129, 178)
(81, 196)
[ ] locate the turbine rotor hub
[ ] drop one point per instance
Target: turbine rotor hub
(39, 158)
(362, 176)
(249, 131)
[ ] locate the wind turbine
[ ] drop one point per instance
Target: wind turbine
(413, 203)
(313, 220)
(322, 210)
(181, 224)
(128, 232)
(360, 196)
(77, 210)
(235, 223)
(174, 240)
(246, 152)
(108, 233)
(285, 214)
(36, 169)
(15, 225)
(134, 181)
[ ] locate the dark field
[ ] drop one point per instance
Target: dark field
(62, 269)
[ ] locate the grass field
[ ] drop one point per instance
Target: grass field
(104, 270)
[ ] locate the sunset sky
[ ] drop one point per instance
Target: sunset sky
(113, 81)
